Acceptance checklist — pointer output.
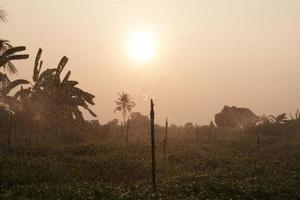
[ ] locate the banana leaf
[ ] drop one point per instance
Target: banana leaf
(14, 84)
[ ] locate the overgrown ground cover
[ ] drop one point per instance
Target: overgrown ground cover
(222, 168)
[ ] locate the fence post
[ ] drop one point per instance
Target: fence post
(127, 131)
(10, 129)
(153, 146)
(165, 143)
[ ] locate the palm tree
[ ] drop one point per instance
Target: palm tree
(2, 15)
(124, 105)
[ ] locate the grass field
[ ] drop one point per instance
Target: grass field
(225, 168)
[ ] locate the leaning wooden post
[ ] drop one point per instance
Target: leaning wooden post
(165, 143)
(153, 146)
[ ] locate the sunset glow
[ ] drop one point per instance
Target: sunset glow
(141, 46)
(112, 99)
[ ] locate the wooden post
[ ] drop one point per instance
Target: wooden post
(153, 146)
(165, 141)
(215, 144)
(258, 138)
(196, 132)
(10, 129)
(127, 131)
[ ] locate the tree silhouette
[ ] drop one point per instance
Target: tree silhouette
(6, 85)
(124, 105)
(235, 117)
(7, 51)
(9, 105)
(50, 103)
(12, 101)
(2, 15)
(58, 99)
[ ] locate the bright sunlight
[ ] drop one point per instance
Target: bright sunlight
(141, 46)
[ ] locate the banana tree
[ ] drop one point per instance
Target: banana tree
(8, 54)
(7, 51)
(58, 99)
(10, 105)
(6, 87)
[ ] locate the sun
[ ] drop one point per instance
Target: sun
(141, 46)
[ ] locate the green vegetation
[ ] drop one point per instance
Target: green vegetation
(192, 171)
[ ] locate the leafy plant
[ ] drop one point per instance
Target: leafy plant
(7, 55)
(12, 101)
(60, 99)
(7, 51)
(280, 119)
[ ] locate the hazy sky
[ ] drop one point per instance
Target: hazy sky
(210, 53)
